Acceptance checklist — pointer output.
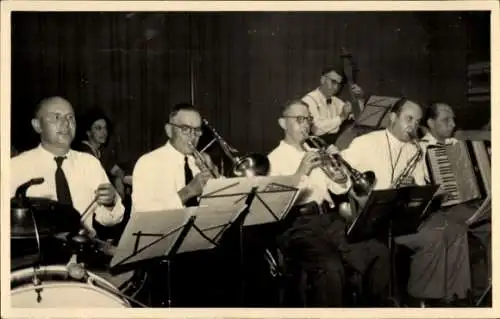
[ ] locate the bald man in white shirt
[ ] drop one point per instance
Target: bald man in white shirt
(54, 121)
(438, 247)
(440, 122)
(314, 235)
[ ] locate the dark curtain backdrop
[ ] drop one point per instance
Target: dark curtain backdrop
(238, 68)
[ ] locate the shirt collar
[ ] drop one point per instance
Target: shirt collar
(393, 140)
(431, 140)
(289, 148)
(178, 156)
(319, 97)
(48, 155)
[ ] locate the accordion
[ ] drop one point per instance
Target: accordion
(463, 169)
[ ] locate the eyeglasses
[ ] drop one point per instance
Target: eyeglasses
(300, 119)
(186, 129)
(58, 117)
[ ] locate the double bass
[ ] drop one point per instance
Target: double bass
(348, 130)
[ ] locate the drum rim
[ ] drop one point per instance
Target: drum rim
(118, 299)
(93, 282)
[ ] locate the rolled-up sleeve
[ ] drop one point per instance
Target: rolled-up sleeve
(107, 217)
(104, 215)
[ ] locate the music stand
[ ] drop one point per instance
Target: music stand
(274, 196)
(160, 235)
(375, 114)
(400, 211)
(268, 200)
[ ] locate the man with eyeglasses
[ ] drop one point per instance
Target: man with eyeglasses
(327, 109)
(169, 177)
(70, 177)
(314, 233)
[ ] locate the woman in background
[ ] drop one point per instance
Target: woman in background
(94, 137)
(94, 131)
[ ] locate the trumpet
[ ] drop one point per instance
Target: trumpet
(362, 183)
(252, 164)
(202, 161)
(407, 172)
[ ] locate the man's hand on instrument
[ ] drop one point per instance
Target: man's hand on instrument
(310, 161)
(346, 111)
(195, 187)
(208, 164)
(105, 194)
(332, 150)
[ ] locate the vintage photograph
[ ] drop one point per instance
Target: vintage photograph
(250, 158)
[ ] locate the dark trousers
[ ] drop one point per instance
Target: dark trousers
(318, 243)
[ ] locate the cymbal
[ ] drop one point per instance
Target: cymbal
(51, 217)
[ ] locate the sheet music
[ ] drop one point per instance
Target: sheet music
(274, 198)
(211, 221)
(151, 226)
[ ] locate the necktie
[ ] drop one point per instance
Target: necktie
(329, 101)
(62, 188)
(188, 177)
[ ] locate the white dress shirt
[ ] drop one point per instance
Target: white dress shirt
(285, 160)
(83, 172)
(385, 155)
(326, 118)
(158, 177)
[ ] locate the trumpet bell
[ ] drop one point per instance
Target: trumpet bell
(251, 165)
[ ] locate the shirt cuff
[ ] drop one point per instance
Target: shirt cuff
(107, 217)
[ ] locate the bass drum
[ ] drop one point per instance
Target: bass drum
(57, 289)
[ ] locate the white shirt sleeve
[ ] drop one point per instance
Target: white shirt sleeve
(152, 191)
(355, 153)
(104, 215)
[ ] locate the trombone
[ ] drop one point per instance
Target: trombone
(202, 162)
(252, 164)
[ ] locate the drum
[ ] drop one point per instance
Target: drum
(57, 289)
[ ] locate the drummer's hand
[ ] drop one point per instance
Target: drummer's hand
(105, 194)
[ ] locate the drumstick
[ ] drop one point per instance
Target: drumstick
(88, 208)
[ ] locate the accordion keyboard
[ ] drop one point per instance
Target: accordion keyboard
(455, 168)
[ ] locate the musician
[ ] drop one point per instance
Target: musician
(316, 240)
(440, 122)
(327, 109)
(438, 247)
(80, 179)
(169, 177)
